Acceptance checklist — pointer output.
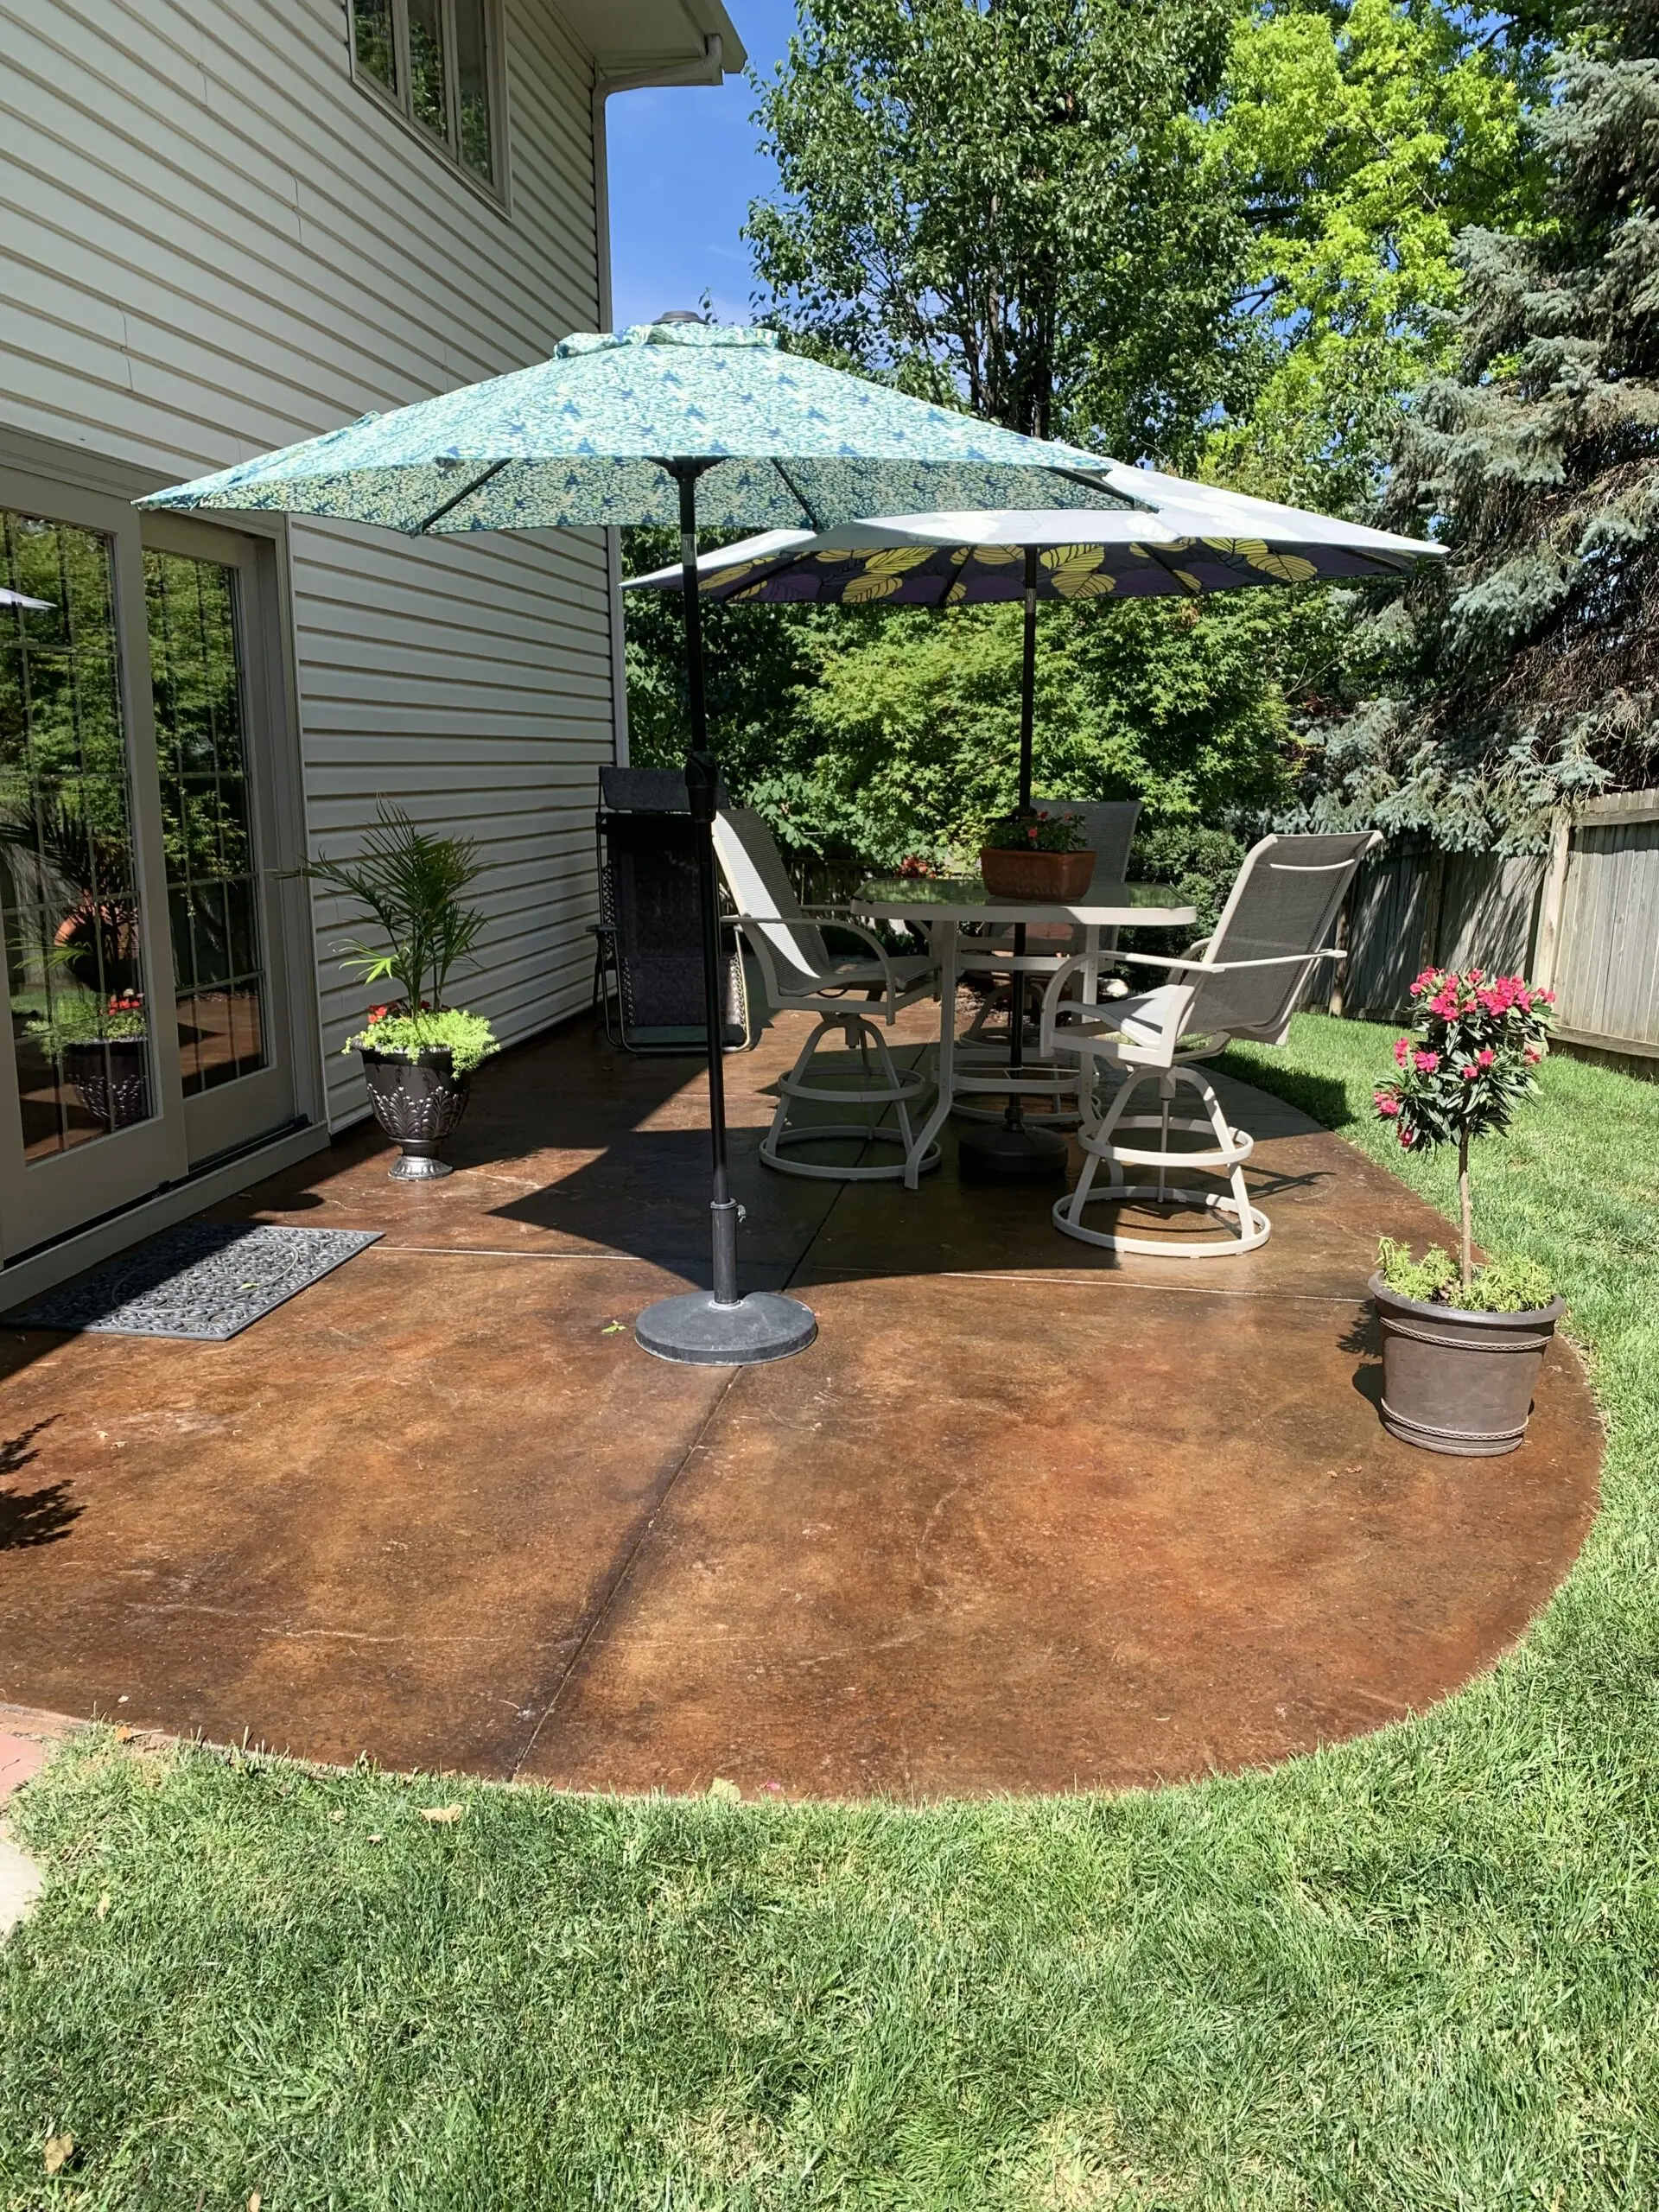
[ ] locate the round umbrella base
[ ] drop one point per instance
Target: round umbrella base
(1006, 1155)
(699, 1332)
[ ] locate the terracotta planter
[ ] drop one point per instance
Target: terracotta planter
(1460, 1383)
(1046, 879)
(111, 1079)
(418, 1103)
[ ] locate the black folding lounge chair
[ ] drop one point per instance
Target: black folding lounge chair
(648, 972)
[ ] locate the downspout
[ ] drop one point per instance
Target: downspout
(694, 71)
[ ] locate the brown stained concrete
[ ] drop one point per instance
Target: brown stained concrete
(1029, 1517)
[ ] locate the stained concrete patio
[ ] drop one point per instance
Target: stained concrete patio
(1025, 1517)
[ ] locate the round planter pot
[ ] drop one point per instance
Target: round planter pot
(1046, 879)
(111, 1079)
(418, 1103)
(1460, 1383)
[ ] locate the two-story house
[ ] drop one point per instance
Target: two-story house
(225, 225)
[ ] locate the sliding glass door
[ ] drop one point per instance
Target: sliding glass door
(142, 975)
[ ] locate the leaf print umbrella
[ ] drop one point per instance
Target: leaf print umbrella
(676, 421)
(1179, 539)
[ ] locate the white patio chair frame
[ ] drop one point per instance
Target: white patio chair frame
(802, 977)
(1161, 1035)
(987, 960)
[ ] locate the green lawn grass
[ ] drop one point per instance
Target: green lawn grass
(1421, 1970)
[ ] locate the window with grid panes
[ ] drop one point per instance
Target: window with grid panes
(436, 61)
(212, 886)
(69, 895)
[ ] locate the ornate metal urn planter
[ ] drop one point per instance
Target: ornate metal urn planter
(111, 1079)
(418, 1102)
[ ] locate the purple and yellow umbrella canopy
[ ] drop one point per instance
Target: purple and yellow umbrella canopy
(1182, 541)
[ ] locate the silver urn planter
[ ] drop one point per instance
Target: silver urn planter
(418, 1103)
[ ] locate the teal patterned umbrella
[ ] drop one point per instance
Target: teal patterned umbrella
(585, 437)
(675, 421)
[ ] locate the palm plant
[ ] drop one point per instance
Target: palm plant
(410, 883)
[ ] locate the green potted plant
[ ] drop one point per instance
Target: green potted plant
(1462, 1345)
(100, 1047)
(1038, 856)
(418, 1053)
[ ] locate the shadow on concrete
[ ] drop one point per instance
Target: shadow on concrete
(28, 1518)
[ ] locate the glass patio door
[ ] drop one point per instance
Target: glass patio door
(140, 986)
(200, 601)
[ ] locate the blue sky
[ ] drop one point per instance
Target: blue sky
(683, 169)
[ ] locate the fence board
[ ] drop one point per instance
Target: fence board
(1609, 937)
(1477, 910)
(1387, 912)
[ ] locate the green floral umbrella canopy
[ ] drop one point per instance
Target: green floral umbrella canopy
(581, 438)
(668, 422)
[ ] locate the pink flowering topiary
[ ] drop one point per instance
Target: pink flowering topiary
(1469, 1064)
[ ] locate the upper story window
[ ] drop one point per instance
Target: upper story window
(438, 62)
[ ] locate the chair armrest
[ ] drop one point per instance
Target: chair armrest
(1054, 1000)
(759, 924)
(1234, 966)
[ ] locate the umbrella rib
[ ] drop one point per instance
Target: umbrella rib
(1099, 484)
(800, 497)
(1155, 553)
(477, 485)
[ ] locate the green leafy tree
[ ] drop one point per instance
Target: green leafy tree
(1363, 136)
(1009, 207)
(914, 718)
(1530, 674)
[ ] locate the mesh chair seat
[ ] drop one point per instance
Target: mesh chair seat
(905, 969)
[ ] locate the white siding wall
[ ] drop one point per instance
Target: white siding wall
(211, 241)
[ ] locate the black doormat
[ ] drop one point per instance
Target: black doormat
(206, 1279)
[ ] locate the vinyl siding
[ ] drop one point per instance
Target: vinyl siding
(212, 241)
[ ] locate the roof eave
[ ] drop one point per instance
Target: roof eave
(635, 43)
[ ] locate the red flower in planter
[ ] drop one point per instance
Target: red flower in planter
(1478, 1039)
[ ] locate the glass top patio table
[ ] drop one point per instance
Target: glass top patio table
(964, 899)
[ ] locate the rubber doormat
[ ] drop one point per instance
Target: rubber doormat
(207, 1280)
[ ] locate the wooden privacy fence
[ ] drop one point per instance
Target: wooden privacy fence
(1584, 920)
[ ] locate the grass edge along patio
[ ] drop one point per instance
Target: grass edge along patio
(1233, 1991)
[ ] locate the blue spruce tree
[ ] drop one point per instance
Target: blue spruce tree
(1527, 675)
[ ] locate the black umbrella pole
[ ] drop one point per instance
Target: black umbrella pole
(1028, 684)
(703, 789)
(1014, 1153)
(717, 1328)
